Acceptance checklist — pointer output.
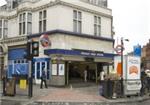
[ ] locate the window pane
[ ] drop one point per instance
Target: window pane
(29, 17)
(95, 19)
(75, 14)
(99, 30)
(24, 27)
(29, 28)
(20, 18)
(40, 15)
(99, 20)
(95, 29)
(24, 17)
(20, 28)
(40, 26)
(75, 25)
(79, 26)
(44, 25)
(79, 15)
(44, 14)
(5, 23)
(0, 32)
(0, 23)
(5, 32)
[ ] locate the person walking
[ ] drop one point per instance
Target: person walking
(43, 79)
(85, 75)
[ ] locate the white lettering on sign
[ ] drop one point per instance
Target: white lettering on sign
(85, 53)
(134, 85)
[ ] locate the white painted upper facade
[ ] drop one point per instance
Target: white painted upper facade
(60, 16)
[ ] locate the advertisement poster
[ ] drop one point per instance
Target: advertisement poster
(133, 68)
(117, 65)
(54, 69)
(61, 69)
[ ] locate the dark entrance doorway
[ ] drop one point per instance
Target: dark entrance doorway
(82, 72)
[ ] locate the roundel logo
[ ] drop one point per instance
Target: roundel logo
(44, 39)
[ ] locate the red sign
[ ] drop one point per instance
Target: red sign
(118, 49)
(44, 39)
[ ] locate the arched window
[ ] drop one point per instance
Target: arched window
(1, 50)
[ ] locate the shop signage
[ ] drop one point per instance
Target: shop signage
(137, 50)
(134, 85)
(133, 67)
(85, 53)
(119, 49)
(21, 69)
(88, 53)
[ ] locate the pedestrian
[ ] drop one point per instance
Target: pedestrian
(43, 79)
(85, 75)
(143, 82)
(147, 72)
(102, 76)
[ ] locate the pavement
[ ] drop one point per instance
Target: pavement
(78, 94)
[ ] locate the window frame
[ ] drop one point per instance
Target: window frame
(25, 19)
(77, 21)
(3, 28)
(42, 21)
(97, 25)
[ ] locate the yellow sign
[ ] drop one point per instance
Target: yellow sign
(23, 84)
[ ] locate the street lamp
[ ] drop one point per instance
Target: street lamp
(122, 48)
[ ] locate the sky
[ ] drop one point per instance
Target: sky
(131, 20)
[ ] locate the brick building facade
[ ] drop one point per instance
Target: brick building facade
(146, 55)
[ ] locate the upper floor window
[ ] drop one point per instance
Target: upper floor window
(25, 23)
(77, 21)
(97, 26)
(97, 2)
(3, 28)
(29, 23)
(42, 21)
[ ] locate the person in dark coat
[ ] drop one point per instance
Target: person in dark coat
(43, 79)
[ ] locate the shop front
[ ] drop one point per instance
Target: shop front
(69, 66)
(40, 64)
(17, 64)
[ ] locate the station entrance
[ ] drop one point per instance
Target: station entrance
(85, 72)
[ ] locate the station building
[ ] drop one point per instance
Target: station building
(78, 36)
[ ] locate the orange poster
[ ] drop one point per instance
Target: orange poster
(119, 69)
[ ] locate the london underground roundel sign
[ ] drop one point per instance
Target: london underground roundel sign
(44, 39)
(118, 49)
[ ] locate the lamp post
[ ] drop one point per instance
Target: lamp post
(122, 48)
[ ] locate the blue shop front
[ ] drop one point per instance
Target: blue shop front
(62, 66)
(19, 66)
